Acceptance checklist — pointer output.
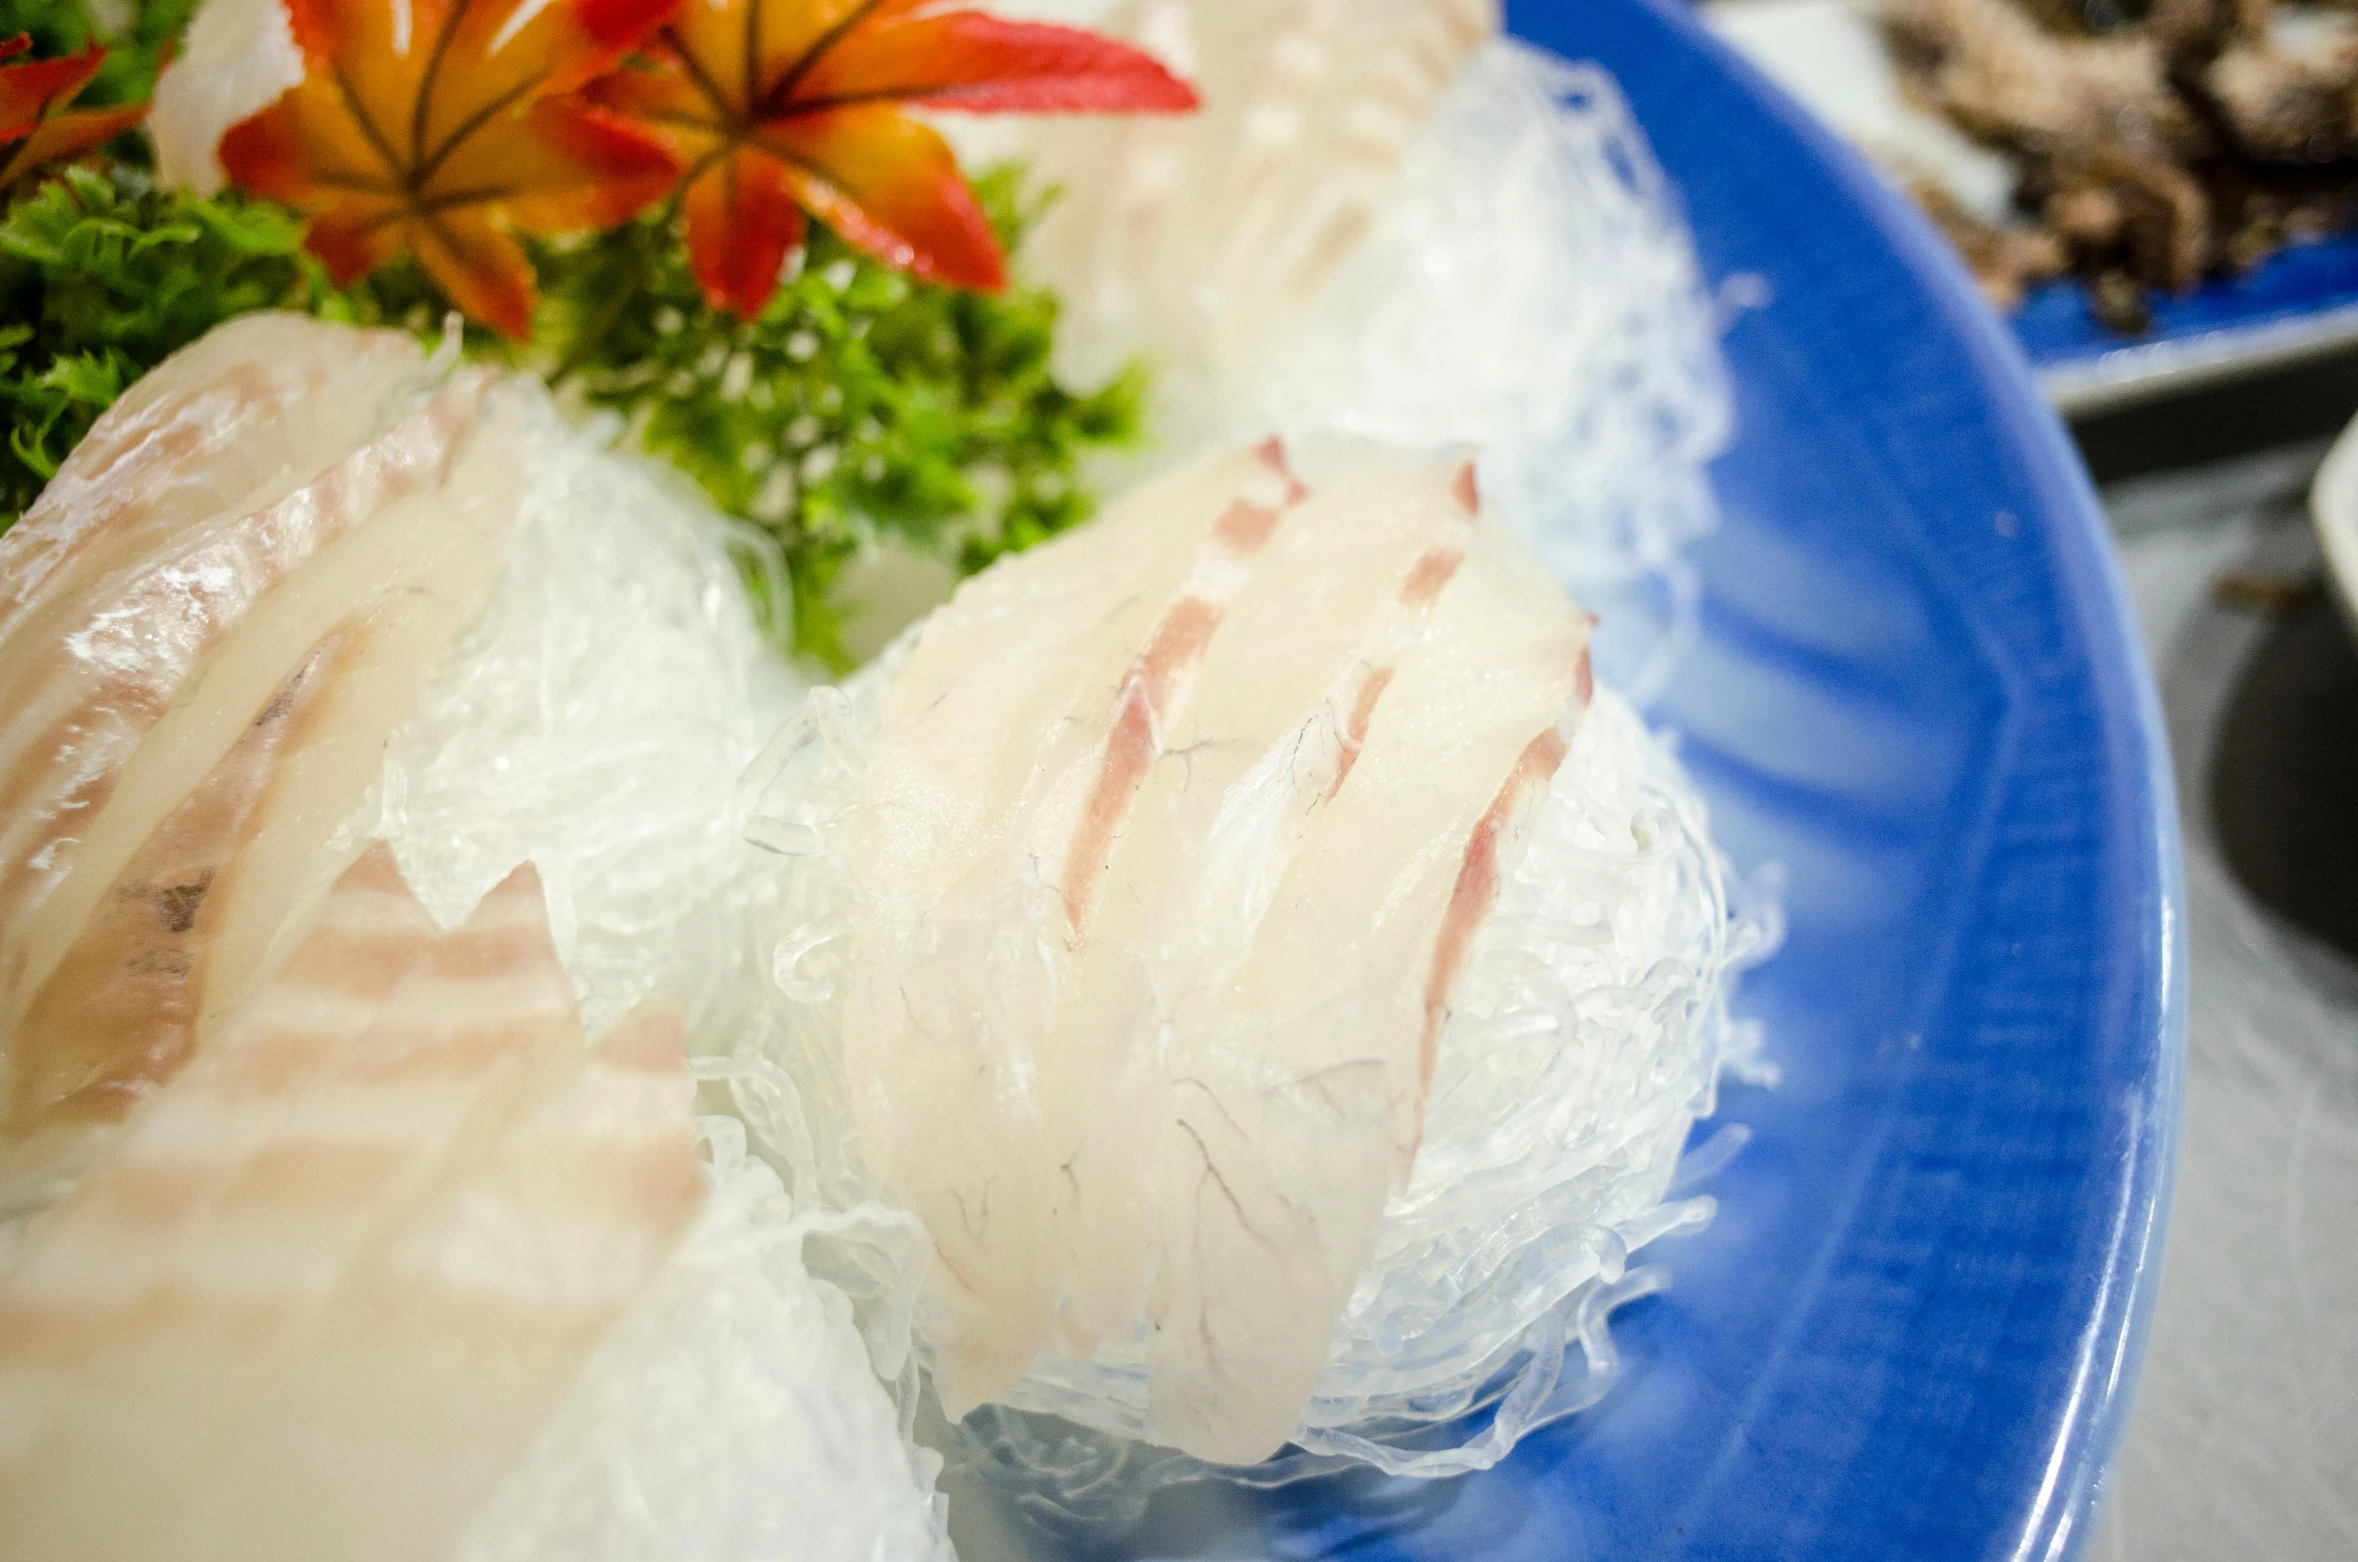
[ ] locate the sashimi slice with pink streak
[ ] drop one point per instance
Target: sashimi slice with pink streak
(120, 608)
(119, 1012)
(441, 1355)
(93, 1262)
(186, 564)
(1297, 1080)
(474, 1033)
(980, 859)
(1159, 686)
(232, 423)
(1280, 707)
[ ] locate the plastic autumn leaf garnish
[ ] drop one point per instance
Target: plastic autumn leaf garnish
(36, 122)
(446, 127)
(781, 107)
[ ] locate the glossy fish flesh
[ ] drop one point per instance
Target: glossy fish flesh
(1202, 240)
(1148, 968)
(477, 1030)
(284, 499)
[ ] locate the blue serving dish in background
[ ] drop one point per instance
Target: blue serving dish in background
(1914, 1328)
(2298, 303)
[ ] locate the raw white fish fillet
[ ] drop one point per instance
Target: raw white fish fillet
(216, 476)
(383, 531)
(1201, 241)
(476, 1031)
(1226, 795)
(257, 497)
(442, 1354)
(1150, 1055)
(92, 1265)
(988, 844)
(234, 421)
(1297, 1087)
(120, 1010)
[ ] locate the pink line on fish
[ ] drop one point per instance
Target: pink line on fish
(1434, 569)
(1478, 881)
(1157, 686)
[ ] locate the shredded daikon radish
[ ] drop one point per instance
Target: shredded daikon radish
(737, 1415)
(1530, 290)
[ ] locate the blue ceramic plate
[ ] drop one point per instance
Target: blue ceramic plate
(1913, 1330)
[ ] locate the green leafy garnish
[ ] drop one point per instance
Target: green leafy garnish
(859, 404)
(101, 278)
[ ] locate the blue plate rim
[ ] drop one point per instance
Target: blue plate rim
(2139, 779)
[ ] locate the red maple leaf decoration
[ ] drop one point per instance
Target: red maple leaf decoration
(780, 107)
(37, 124)
(446, 127)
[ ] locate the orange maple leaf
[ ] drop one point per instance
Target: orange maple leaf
(36, 125)
(781, 107)
(446, 127)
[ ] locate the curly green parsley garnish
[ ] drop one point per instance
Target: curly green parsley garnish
(101, 278)
(860, 403)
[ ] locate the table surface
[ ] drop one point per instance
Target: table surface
(2244, 1438)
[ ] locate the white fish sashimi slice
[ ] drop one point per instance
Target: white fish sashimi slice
(1059, 633)
(1092, 767)
(119, 1012)
(92, 1261)
(1280, 708)
(1090, 642)
(474, 1033)
(143, 545)
(392, 591)
(230, 424)
(440, 1358)
(179, 940)
(185, 671)
(1045, 630)
(1200, 241)
(435, 560)
(83, 694)
(1296, 1086)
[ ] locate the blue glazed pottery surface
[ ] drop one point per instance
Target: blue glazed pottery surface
(2308, 291)
(1913, 1330)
